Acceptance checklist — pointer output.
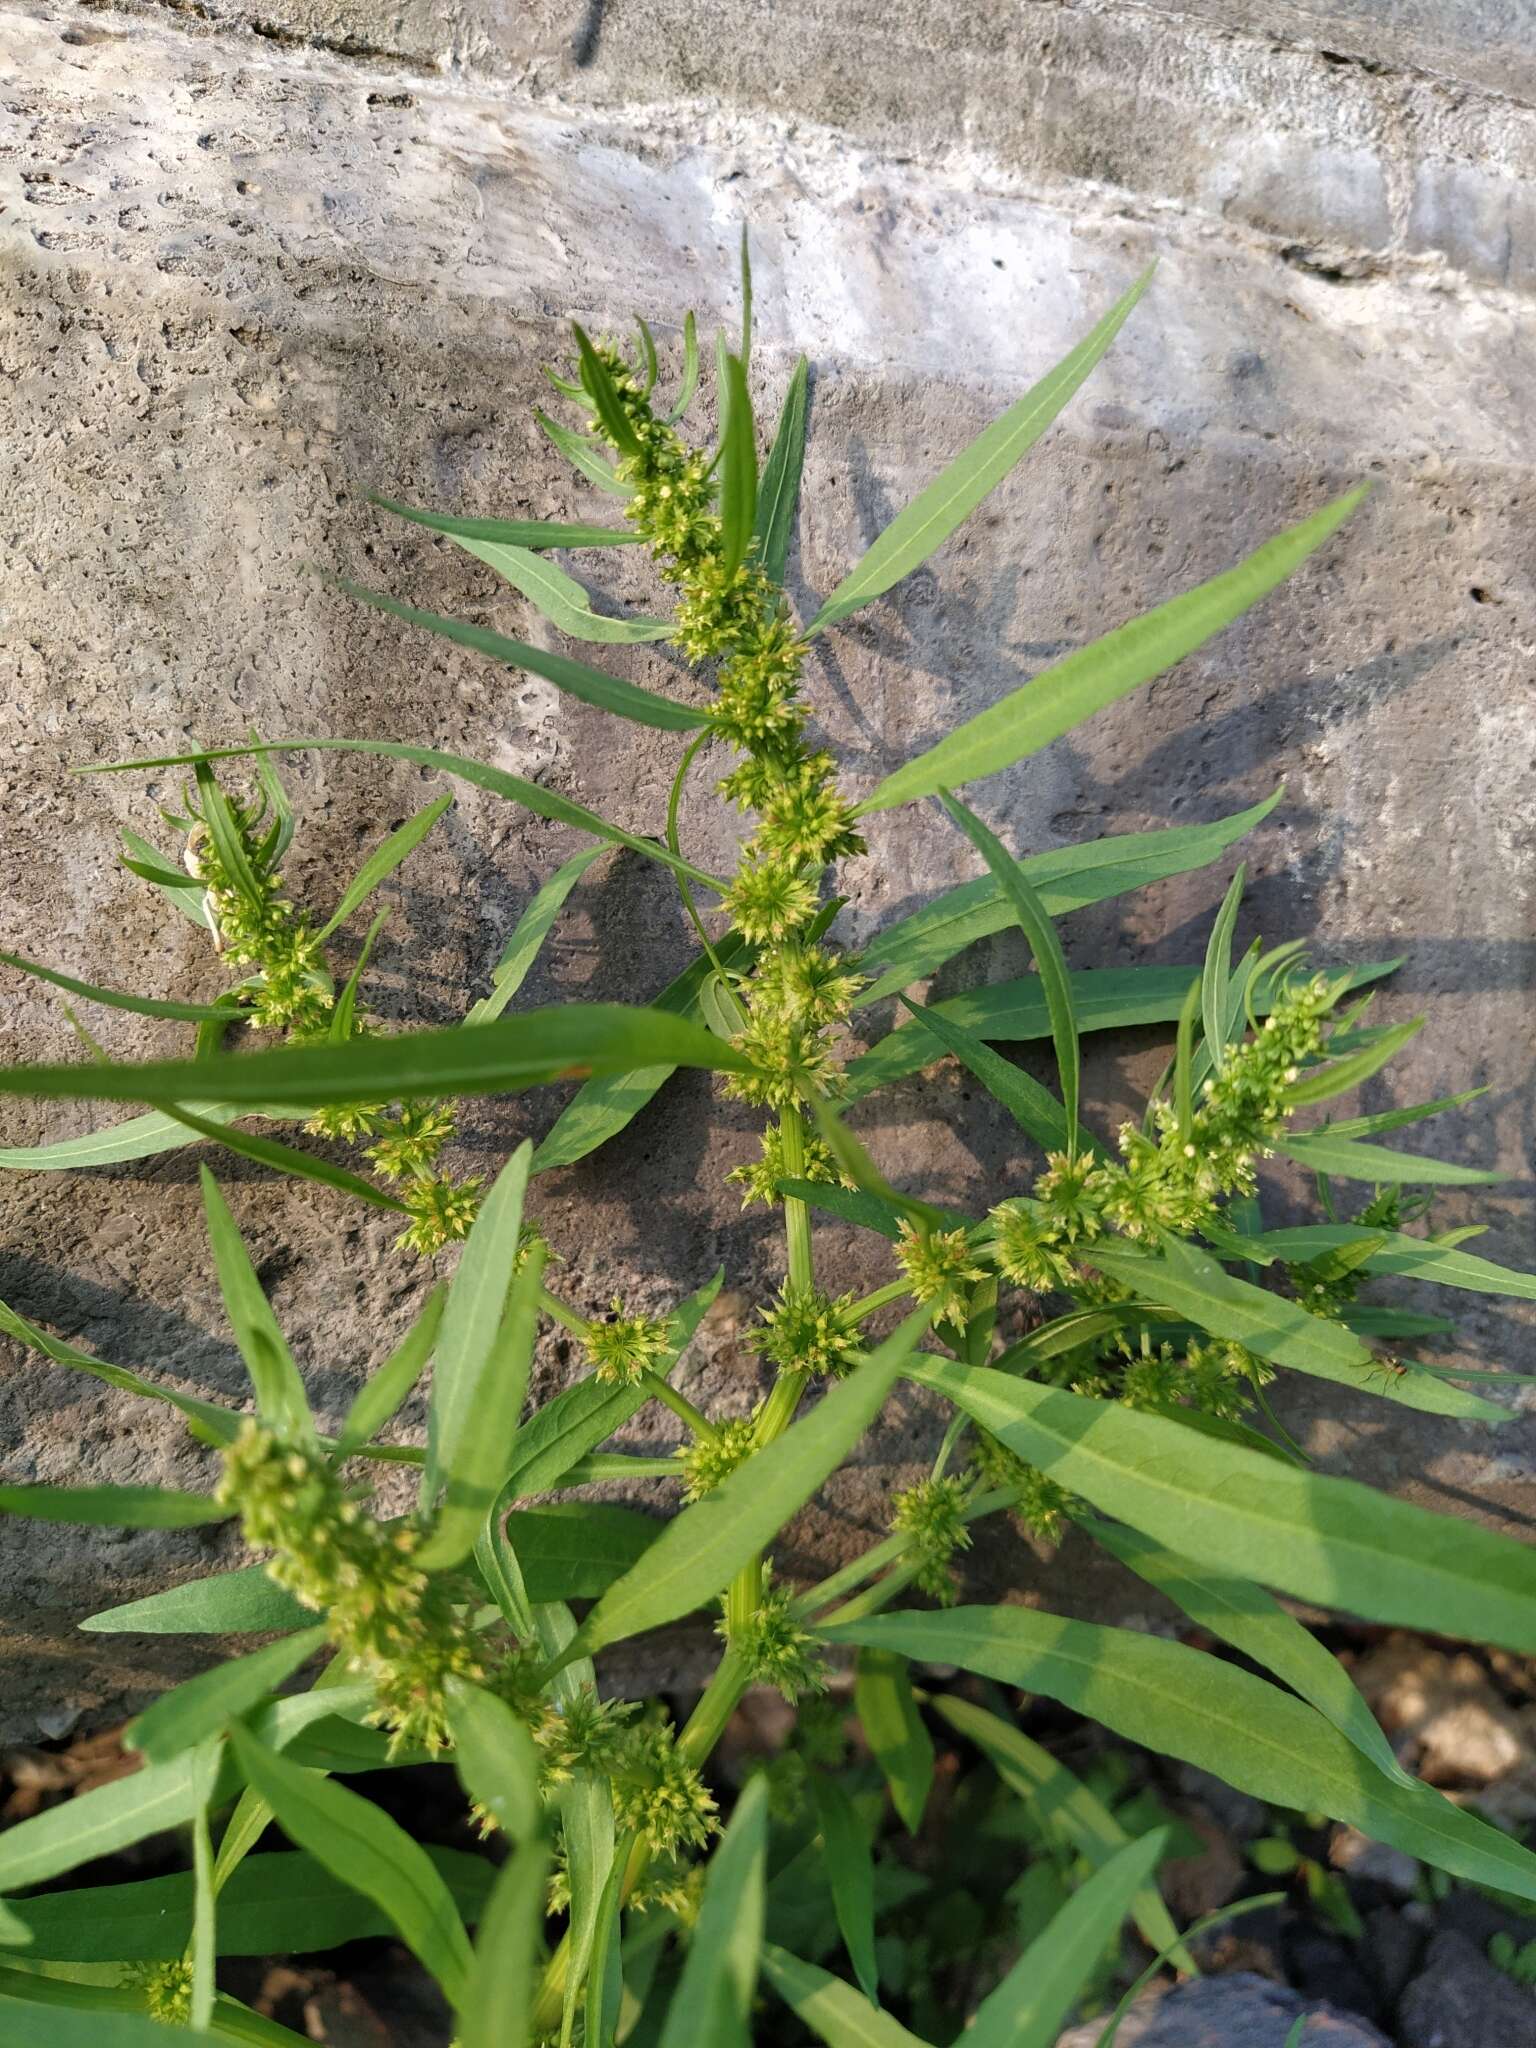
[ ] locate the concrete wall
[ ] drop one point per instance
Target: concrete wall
(259, 261)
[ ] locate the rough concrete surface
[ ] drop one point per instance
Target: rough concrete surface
(254, 268)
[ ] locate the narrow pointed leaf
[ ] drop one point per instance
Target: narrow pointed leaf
(287, 1159)
(382, 1392)
(1251, 1620)
(544, 803)
(599, 387)
(473, 1317)
(1349, 1159)
(602, 1108)
(97, 1823)
(560, 598)
(851, 1873)
(893, 1728)
(701, 1549)
(280, 1398)
(713, 1999)
(546, 586)
(576, 1421)
(833, 2010)
(276, 1903)
(560, 1043)
(137, 1137)
(582, 455)
(1414, 1257)
(529, 934)
(1338, 1077)
(383, 862)
(189, 1714)
(1061, 1803)
(497, 2004)
(1095, 676)
(358, 1842)
(1068, 878)
(516, 533)
(1050, 962)
(242, 1602)
(496, 1759)
(778, 491)
(1398, 1119)
(115, 999)
(1028, 2008)
(690, 378)
(1218, 970)
(1195, 1286)
(214, 1421)
(1332, 1541)
(738, 468)
(953, 496)
(1185, 1704)
(120, 1507)
(1033, 1108)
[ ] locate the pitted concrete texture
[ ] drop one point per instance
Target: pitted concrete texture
(250, 276)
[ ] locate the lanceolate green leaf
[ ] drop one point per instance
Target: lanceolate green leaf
(1095, 676)
(1027, 2009)
(218, 1423)
(38, 2009)
(779, 489)
(738, 467)
(241, 1602)
(496, 2009)
(1195, 1286)
(473, 1318)
(850, 1869)
(1252, 1621)
(1398, 1119)
(281, 1158)
(1050, 962)
(690, 377)
(703, 1547)
(97, 1823)
(272, 1904)
(833, 2010)
(581, 454)
(1033, 1108)
(496, 1759)
(543, 583)
(529, 934)
(280, 1398)
(382, 1392)
(562, 600)
(1068, 878)
(360, 1844)
(1218, 968)
(713, 1999)
(1061, 1803)
(115, 999)
(1414, 1257)
(544, 803)
(138, 1137)
(602, 1108)
(1349, 1159)
(560, 1043)
(121, 1507)
(893, 1728)
(190, 1713)
(1322, 1084)
(381, 864)
(1332, 1541)
(1201, 1710)
(516, 533)
(576, 1421)
(953, 496)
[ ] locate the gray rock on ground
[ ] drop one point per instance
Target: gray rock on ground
(1459, 2000)
(1240, 2011)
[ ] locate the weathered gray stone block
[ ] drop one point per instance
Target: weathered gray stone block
(248, 279)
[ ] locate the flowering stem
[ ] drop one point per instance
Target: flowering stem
(565, 1316)
(797, 1218)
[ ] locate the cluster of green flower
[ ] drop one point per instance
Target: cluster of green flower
(290, 990)
(800, 993)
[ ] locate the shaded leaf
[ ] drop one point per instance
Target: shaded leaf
(280, 1398)
(894, 1730)
(529, 934)
(1349, 1159)
(517, 533)
(191, 1712)
(850, 1870)
(833, 2010)
(115, 999)
(713, 1999)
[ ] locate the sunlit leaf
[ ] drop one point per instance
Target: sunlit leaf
(143, 1006)
(120, 1507)
(779, 488)
(190, 1713)
(280, 1398)
(833, 2010)
(953, 496)
(516, 533)
(1095, 676)
(582, 455)
(382, 1392)
(738, 468)
(713, 1999)
(1349, 1159)
(529, 934)
(383, 862)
